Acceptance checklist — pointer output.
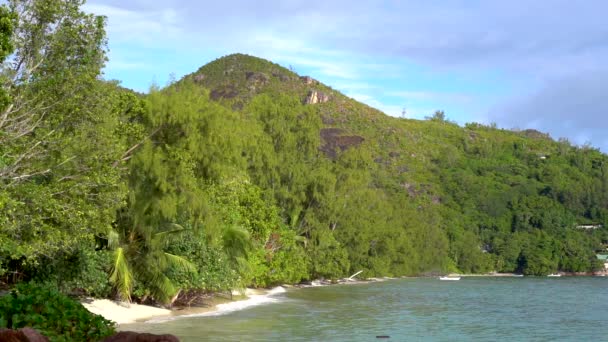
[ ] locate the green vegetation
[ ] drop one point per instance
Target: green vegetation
(52, 314)
(235, 176)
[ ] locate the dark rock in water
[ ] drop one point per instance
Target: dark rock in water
(131, 336)
(21, 335)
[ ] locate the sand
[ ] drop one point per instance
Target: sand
(123, 313)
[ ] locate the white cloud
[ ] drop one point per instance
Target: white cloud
(391, 109)
(125, 65)
(345, 44)
(574, 107)
(138, 27)
(431, 95)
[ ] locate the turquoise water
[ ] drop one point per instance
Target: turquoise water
(475, 308)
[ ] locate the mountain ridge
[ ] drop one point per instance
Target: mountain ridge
(397, 196)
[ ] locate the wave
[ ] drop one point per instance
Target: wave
(222, 309)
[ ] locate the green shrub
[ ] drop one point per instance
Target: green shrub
(53, 314)
(280, 261)
(213, 271)
(92, 277)
(84, 271)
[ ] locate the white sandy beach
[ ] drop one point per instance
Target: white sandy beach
(124, 313)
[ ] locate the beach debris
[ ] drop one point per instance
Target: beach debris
(351, 278)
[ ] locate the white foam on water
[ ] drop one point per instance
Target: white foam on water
(276, 290)
(226, 308)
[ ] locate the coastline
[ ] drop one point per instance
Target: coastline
(124, 313)
(127, 313)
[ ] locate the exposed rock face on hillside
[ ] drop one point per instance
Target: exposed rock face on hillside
(316, 97)
(256, 77)
(532, 133)
(282, 77)
(308, 80)
(224, 92)
(335, 141)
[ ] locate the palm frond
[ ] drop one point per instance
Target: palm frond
(161, 287)
(294, 217)
(162, 237)
(180, 263)
(113, 239)
(236, 241)
(121, 276)
(302, 239)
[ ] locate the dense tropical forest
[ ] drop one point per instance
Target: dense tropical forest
(245, 173)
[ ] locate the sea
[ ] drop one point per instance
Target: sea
(411, 309)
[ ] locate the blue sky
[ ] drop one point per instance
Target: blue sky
(520, 64)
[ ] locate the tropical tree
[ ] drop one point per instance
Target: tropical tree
(140, 257)
(60, 131)
(166, 171)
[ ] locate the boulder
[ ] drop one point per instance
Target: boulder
(308, 80)
(224, 92)
(256, 77)
(335, 141)
(21, 335)
(281, 77)
(131, 336)
(315, 96)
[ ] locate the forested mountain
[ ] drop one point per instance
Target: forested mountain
(400, 196)
(245, 173)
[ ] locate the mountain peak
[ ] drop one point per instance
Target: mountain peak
(235, 79)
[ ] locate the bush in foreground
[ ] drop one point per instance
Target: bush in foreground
(53, 314)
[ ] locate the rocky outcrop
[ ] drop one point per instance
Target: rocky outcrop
(281, 77)
(315, 96)
(256, 80)
(223, 92)
(131, 336)
(31, 335)
(21, 335)
(534, 134)
(256, 77)
(308, 80)
(335, 141)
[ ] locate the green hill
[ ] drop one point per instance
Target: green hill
(245, 173)
(405, 196)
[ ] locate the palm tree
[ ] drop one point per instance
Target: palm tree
(139, 255)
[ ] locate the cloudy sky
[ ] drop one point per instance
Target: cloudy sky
(521, 64)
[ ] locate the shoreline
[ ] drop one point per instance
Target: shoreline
(128, 313)
(124, 314)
